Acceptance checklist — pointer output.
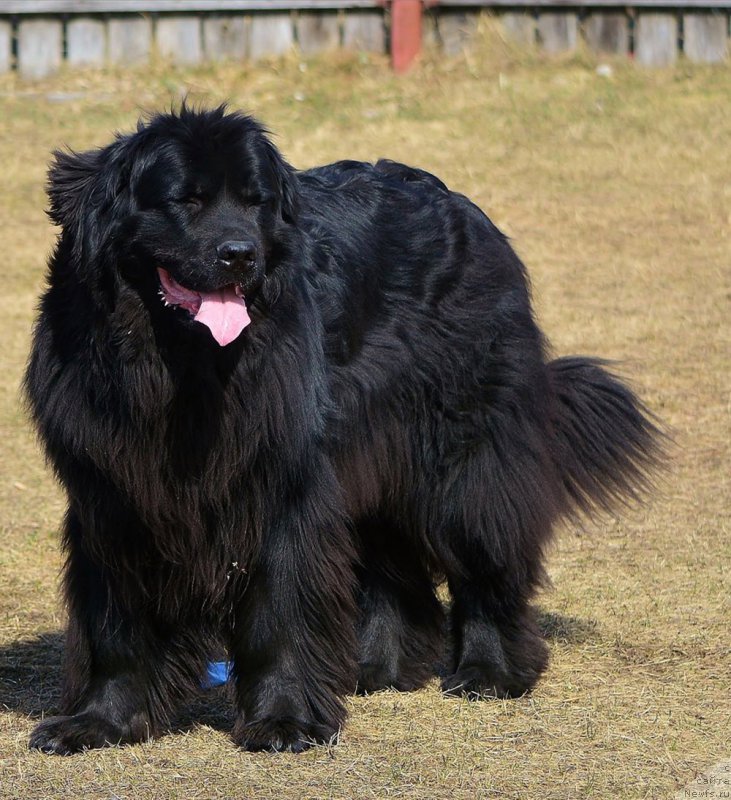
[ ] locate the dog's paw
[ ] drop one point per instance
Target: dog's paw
(373, 677)
(66, 735)
(281, 734)
(479, 683)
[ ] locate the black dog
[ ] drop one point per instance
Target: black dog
(284, 406)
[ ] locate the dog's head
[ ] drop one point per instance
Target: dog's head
(191, 207)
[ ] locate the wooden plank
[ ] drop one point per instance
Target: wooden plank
(226, 37)
(456, 29)
(519, 27)
(430, 28)
(179, 39)
(86, 42)
(40, 47)
(607, 32)
(365, 31)
(171, 6)
(558, 31)
(317, 32)
(705, 37)
(6, 46)
(270, 35)
(130, 39)
(656, 39)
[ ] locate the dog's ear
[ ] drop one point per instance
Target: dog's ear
(83, 189)
(286, 182)
(70, 179)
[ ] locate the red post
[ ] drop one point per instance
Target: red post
(405, 33)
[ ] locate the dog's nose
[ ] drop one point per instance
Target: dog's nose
(235, 252)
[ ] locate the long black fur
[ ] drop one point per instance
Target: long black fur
(388, 420)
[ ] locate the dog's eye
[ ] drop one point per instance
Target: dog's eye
(193, 202)
(258, 199)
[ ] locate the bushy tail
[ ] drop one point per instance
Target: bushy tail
(607, 446)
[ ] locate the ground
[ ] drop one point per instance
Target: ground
(616, 191)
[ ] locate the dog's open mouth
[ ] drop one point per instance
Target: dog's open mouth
(222, 311)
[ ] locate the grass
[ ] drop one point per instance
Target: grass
(617, 193)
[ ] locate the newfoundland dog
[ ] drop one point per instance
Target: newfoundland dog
(285, 406)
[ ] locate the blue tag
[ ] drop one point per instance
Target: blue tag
(217, 674)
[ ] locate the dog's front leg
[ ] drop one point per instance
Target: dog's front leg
(124, 668)
(293, 642)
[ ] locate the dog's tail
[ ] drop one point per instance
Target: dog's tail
(607, 446)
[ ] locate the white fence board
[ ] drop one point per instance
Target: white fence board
(558, 31)
(179, 39)
(86, 42)
(317, 32)
(456, 29)
(520, 27)
(226, 37)
(271, 35)
(130, 39)
(6, 46)
(364, 30)
(40, 47)
(705, 37)
(656, 39)
(607, 32)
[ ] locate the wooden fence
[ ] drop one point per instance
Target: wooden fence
(37, 37)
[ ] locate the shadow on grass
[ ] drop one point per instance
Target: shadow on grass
(30, 675)
(566, 630)
(30, 684)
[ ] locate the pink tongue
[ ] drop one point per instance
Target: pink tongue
(224, 313)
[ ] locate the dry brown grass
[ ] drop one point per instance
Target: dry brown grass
(617, 193)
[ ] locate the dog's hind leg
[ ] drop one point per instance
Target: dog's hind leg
(400, 632)
(584, 442)
(497, 649)
(490, 520)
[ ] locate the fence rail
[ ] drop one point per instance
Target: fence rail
(31, 7)
(39, 37)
